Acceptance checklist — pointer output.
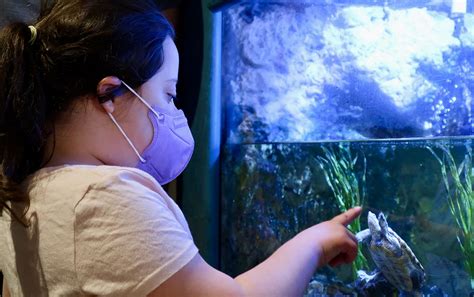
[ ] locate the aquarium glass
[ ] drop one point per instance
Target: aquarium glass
(310, 72)
(331, 104)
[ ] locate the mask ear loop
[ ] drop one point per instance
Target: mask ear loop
(109, 96)
(126, 138)
(159, 116)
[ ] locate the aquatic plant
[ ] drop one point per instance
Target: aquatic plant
(458, 183)
(349, 190)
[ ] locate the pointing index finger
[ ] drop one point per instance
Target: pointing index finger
(347, 217)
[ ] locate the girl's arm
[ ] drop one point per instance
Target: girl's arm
(5, 292)
(285, 273)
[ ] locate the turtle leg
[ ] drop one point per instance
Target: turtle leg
(417, 279)
(364, 236)
(373, 285)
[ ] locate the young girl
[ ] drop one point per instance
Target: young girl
(88, 132)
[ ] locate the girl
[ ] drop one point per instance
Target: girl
(88, 134)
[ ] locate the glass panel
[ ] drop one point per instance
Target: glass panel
(331, 104)
(334, 71)
(273, 191)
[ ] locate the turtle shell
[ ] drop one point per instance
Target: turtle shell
(397, 263)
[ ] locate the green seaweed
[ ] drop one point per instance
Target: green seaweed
(349, 190)
(460, 197)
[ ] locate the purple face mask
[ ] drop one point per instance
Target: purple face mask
(171, 147)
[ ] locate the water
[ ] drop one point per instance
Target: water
(312, 72)
(272, 191)
(383, 88)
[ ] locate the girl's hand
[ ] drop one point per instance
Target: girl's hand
(336, 244)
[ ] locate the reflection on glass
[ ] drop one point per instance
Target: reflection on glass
(335, 103)
(306, 72)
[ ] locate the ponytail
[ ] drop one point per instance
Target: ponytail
(75, 44)
(22, 112)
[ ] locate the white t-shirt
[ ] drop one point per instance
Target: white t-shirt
(94, 230)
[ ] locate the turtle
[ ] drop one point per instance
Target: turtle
(394, 259)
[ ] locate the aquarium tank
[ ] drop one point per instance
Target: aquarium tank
(330, 104)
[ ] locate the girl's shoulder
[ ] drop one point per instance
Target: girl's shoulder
(74, 177)
(74, 184)
(81, 172)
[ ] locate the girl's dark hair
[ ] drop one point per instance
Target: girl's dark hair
(78, 43)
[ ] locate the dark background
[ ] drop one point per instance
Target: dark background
(186, 17)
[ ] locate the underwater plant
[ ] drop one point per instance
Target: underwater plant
(338, 166)
(458, 183)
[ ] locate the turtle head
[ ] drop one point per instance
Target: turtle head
(383, 223)
(378, 226)
(374, 226)
(383, 235)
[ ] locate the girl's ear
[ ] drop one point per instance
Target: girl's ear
(108, 106)
(105, 92)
